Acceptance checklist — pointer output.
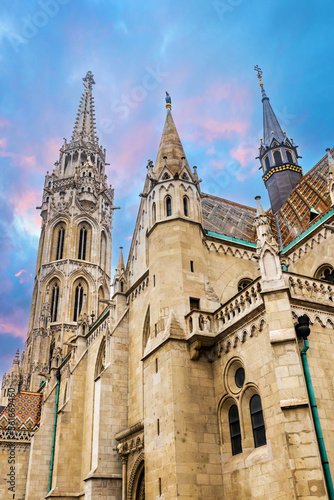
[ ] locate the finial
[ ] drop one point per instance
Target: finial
(89, 80)
(168, 100)
(259, 74)
(260, 210)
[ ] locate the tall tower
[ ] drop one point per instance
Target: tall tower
(278, 156)
(74, 255)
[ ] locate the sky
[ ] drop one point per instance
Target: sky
(202, 52)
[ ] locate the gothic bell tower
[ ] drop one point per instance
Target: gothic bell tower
(278, 155)
(74, 256)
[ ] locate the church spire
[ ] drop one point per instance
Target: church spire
(84, 127)
(120, 265)
(170, 153)
(277, 154)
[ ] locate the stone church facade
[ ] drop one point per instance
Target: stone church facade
(209, 372)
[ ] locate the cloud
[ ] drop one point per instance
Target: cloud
(12, 329)
(23, 275)
(3, 142)
(4, 122)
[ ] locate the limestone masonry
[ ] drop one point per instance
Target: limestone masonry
(194, 380)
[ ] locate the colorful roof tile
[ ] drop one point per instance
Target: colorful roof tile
(23, 413)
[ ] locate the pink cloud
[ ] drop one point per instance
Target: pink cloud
(244, 155)
(20, 272)
(24, 276)
(129, 238)
(25, 210)
(3, 142)
(12, 329)
(18, 159)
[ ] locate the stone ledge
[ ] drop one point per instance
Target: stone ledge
(287, 404)
(283, 335)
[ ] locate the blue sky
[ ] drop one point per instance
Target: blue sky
(202, 52)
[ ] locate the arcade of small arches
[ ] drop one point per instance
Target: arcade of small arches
(168, 207)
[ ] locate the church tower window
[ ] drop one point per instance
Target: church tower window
(277, 158)
(259, 432)
(54, 302)
(60, 243)
(78, 300)
(289, 155)
(267, 163)
(82, 243)
(168, 206)
(154, 213)
(185, 206)
(235, 432)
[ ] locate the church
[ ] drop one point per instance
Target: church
(208, 372)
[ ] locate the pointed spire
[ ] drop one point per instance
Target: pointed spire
(120, 265)
(259, 207)
(84, 127)
(170, 152)
(271, 127)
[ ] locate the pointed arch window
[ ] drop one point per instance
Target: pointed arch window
(277, 158)
(60, 243)
(186, 206)
(259, 431)
(289, 155)
(266, 163)
(154, 213)
(103, 250)
(82, 243)
(168, 206)
(235, 432)
(54, 302)
(78, 300)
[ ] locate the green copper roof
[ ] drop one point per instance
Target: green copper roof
(230, 238)
(309, 230)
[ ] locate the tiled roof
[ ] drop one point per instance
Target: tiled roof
(234, 220)
(310, 192)
(24, 413)
(228, 218)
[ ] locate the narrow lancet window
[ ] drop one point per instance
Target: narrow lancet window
(168, 206)
(60, 243)
(82, 243)
(259, 431)
(235, 432)
(78, 300)
(54, 302)
(185, 206)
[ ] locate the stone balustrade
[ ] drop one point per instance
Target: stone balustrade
(310, 289)
(206, 323)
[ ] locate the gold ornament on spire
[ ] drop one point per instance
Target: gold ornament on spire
(259, 74)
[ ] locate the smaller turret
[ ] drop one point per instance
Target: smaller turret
(11, 382)
(277, 154)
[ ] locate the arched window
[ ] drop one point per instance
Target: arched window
(168, 206)
(259, 431)
(325, 273)
(84, 174)
(88, 190)
(89, 174)
(235, 432)
(289, 155)
(82, 243)
(277, 158)
(54, 302)
(122, 286)
(185, 206)
(154, 213)
(243, 283)
(82, 189)
(103, 250)
(267, 163)
(101, 304)
(60, 243)
(78, 300)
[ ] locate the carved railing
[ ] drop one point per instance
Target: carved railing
(206, 323)
(310, 289)
(15, 435)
